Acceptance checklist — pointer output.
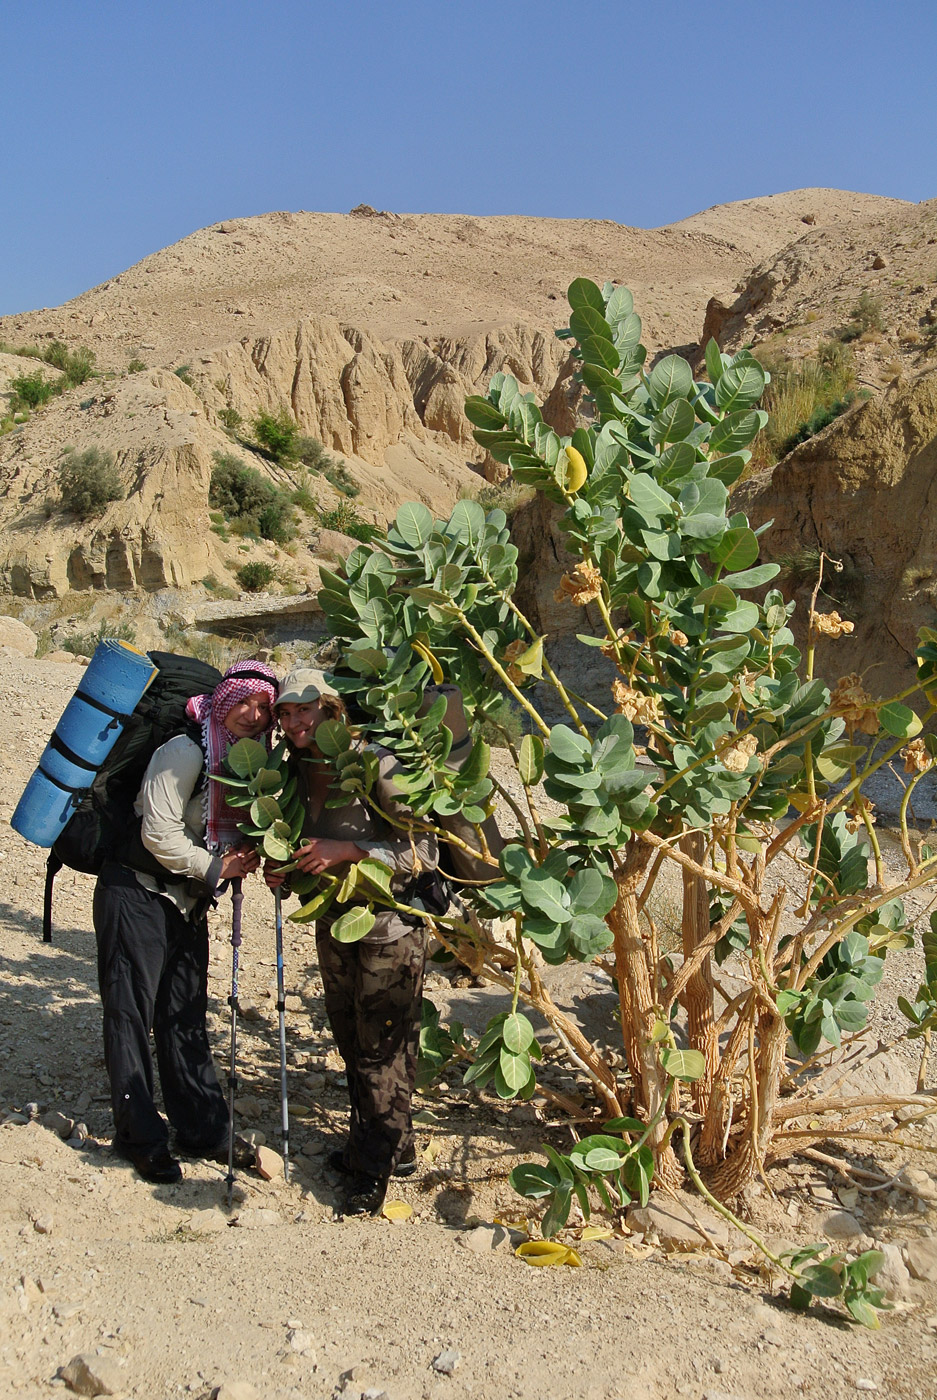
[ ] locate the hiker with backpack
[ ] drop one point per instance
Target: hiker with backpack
(374, 987)
(152, 931)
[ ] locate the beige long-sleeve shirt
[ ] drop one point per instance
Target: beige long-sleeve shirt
(173, 827)
(382, 840)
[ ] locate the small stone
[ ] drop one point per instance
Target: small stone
(863, 1383)
(447, 1362)
(303, 1343)
(31, 1290)
(719, 1366)
(878, 262)
(87, 1374)
(921, 1258)
(269, 1164)
(294, 1322)
(841, 1225)
(372, 1393)
(63, 1311)
(485, 1238)
(209, 1221)
(43, 1224)
(235, 1390)
(57, 1123)
(893, 1276)
(253, 1219)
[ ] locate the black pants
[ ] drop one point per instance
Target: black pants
(373, 994)
(153, 975)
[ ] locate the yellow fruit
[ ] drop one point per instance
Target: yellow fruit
(578, 471)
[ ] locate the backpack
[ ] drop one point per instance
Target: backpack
(104, 825)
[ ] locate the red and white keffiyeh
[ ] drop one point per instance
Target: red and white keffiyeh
(210, 711)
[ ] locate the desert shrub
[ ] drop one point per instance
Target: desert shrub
(184, 372)
(277, 433)
(77, 366)
(864, 318)
(84, 643)
(345, 519)
(251, 504)
(802, 397)
(32, 390)
(303, 498)
(230, 419)
(340, 477)
(736, 728)
(312, 454)
(136, 365)
(88, 481)
(255, 576)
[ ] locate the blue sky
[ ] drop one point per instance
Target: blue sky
(129, 123)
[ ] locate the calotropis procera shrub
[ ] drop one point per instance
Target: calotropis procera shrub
(751, 783)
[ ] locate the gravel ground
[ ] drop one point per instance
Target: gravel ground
(178, 1295)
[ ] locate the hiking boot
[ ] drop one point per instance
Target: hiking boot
(407, 1165)
(365, 1195)
(245, 1153)
(158, 1166)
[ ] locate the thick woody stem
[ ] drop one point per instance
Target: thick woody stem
(638, 1013)
(697, 997)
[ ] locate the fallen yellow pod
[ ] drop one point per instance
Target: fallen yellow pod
(546, 1252)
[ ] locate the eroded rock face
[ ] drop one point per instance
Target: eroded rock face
(865, 492)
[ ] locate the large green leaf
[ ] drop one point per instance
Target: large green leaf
(247, 757)
(265, 811)
(740, 386)
(353, 925)
(530, 760)
(687, 1065)
(569, 745)
(674, 422)
(670, 378)
(517, 1033)
(737, 549)
(581, 292)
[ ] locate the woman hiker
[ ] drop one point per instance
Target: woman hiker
(152, 931)
(373, 988)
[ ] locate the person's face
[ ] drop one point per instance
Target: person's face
(300, 722)
(248, 718)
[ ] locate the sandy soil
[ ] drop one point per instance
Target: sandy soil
(185, 1296)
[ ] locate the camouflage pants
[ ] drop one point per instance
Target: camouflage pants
(373, 994)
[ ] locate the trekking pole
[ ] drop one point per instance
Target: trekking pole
(237, 899)
(281, 1008)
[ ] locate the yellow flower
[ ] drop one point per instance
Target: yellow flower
(830, 625)
(678, 638)
(851, 700)
(580, 586)
(635, 705)
(916, 758)
(738, 757)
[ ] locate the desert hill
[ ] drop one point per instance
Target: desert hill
(370, 328)
(426, 276)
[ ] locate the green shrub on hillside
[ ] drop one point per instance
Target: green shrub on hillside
(278, 434)
(803, 397)
(32, 390)
(256, 576)
(250, 503)
(88, 481)
(345, 519)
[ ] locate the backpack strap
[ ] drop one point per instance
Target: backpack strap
(53, 866)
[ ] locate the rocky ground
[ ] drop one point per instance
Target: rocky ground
(165, 1291)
